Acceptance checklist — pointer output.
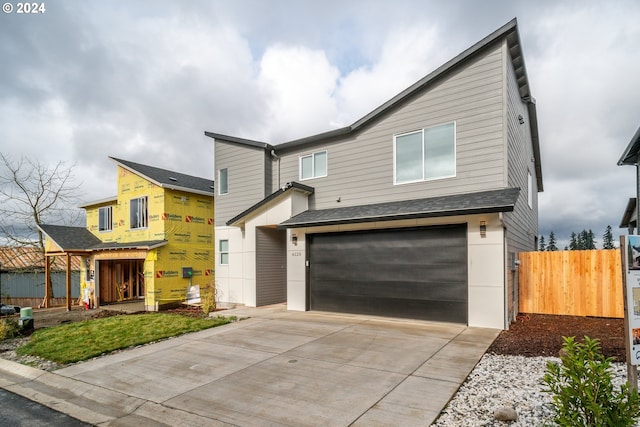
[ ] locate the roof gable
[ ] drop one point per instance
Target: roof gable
(169, 179)
(508, 32)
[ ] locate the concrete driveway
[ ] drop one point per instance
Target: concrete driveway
(274, 368)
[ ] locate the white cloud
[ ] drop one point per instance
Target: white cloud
(298, 85)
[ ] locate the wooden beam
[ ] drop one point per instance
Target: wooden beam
(47, 281)
(68, 281)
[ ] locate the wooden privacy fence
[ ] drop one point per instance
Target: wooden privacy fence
(576, 283)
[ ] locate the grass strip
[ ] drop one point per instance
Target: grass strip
(79, 341)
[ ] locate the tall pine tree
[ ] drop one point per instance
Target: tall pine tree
(607, 239)
(551, 246)
(573, 243)
(542, 246)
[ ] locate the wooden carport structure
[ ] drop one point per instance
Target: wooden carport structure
(68, 242)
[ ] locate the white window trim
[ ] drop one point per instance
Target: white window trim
(146, 209)
(110, 229)
(530, 189)
(221, 252)
(423, 179)
(313, 165)
(220, 193)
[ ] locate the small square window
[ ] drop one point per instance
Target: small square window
(313, 165)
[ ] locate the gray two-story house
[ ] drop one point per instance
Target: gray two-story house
(417, 210)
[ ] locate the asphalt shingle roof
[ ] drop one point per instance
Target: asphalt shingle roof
(169, 179)
(70, 238)
(80, 239)
(460, 204)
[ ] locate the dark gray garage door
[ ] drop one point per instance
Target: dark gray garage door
(418, 273)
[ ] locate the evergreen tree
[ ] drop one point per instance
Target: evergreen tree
(551, 246)
(581, 240)
(607, 239)
(573, 243)
(542, 246)
(591, 240)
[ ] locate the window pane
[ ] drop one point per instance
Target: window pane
(320, 164)
(133, 213)
(306, 167)
(104, 219)
(223, 181)
(409, 157)
(224, 246)
(439, 152)
(224, 259)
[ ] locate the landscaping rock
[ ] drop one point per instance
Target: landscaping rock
(505, 414)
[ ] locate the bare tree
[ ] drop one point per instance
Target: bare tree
(33, 193)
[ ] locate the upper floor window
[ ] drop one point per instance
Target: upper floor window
(530, 190)
(223, 181)
(138, 213)
(314, 165)
(426, 154)
(105, 218)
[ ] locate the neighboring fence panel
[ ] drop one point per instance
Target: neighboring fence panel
(31, 284)
(577, 283)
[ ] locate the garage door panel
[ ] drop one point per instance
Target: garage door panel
(415, 273)
(392, 290)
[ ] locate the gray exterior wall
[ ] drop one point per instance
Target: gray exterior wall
(31, 284)
(360, 169)
(522, 223)
(248, 179)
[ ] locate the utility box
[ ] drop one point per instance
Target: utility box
(187, 272)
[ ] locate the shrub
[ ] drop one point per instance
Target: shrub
(208, 300)
(583, 391)
(9, 328)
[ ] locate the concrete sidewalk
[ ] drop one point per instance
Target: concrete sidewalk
(274, 368)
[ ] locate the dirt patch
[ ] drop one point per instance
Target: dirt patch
(541, 335)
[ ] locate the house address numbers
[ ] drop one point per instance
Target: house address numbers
(296, 253)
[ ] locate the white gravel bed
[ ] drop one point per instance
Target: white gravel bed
(506, 381)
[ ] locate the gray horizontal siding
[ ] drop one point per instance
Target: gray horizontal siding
(247, 179)
(360, 168)
(31, 284)
(522, 223)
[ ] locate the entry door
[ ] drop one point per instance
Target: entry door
(418, 273)
(271, 266)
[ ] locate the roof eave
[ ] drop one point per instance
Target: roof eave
(413, 215)
(241, 141)
(240, 219)
(630, 154)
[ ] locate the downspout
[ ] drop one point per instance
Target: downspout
(273, 154)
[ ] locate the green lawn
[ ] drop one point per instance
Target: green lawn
(79, 341)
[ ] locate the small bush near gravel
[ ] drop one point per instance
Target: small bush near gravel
(74, 342)
(583, 391)
(9, 328)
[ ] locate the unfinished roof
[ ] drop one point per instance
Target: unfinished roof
(169, 179)
(29, 258)
(79, 239)
(508, 32)
(70, 239)
(460, 204)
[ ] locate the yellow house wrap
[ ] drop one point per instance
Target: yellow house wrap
(153, 240)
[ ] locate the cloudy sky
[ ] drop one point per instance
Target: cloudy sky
(142, 81)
